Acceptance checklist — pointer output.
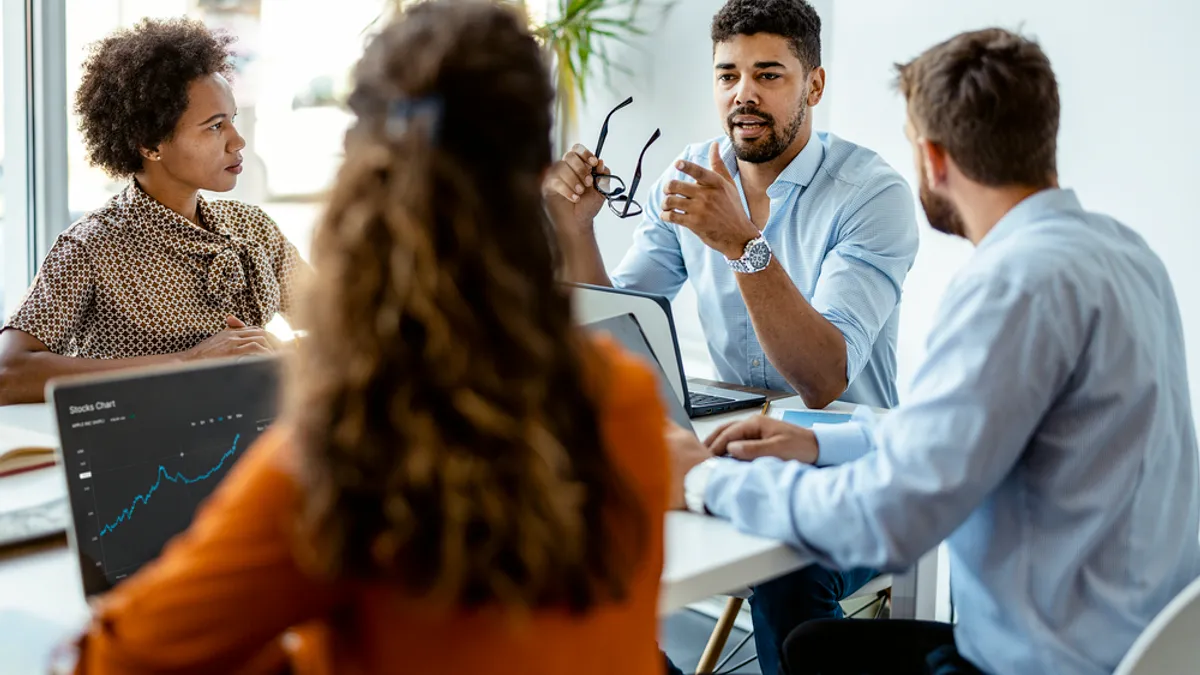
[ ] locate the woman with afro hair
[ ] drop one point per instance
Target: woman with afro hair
(158, 274)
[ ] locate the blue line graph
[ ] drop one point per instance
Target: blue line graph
(176, 478)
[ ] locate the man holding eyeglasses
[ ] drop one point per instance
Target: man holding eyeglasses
(796, 242)
(802, 236)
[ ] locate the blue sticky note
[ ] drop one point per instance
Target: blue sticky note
(807, 418)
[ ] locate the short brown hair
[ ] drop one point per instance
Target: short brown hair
(989, 97)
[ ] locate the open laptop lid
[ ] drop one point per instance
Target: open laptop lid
(653, 313)
(142, 449)
(626, 330)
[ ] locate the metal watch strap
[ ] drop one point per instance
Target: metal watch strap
(756, 257)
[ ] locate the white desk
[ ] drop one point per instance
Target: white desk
(704, 556)
(707, 556)
(35, 417)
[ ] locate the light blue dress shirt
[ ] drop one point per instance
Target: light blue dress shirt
(843, 225)
(1048, 435)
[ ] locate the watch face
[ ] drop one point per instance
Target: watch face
(757, 255)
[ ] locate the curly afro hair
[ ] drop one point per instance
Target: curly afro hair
(795, 20)
(135, 84)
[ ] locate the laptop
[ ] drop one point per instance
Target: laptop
(626, 330)
(142, 449)
(653, 312)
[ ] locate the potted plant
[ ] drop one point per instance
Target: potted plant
(577, 35)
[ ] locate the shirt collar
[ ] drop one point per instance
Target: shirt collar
(800, 171)
(139, 199)
(1030, 210)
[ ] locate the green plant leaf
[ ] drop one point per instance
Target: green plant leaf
(577, 39)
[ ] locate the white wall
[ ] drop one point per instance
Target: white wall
(1129, 76)
(671, 83)
(1129, 143)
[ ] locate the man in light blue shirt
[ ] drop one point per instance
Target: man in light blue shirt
(840, 224)
(1048, 436)
(796, 242)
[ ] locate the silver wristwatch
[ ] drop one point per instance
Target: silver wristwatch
(756, 257)
(695, 484)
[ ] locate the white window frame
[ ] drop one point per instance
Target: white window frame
(35, 138)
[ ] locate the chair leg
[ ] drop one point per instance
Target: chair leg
(883, 603)
(720, 635)
(733, 652)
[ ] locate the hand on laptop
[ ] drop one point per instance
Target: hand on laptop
(237, 339)
(762, 436)
(686, 452)
(711, 207)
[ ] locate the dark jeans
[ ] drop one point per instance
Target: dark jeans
(779, 606)
(873, 647)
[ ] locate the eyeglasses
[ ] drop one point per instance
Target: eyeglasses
(620, 201)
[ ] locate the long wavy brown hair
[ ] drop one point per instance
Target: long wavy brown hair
(445, 402)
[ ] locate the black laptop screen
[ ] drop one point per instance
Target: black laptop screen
(141, 453)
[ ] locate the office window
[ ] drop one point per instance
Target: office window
(14, 230)
(4, 103)
(293, 62)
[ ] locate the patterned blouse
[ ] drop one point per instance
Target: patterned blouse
(135, 278)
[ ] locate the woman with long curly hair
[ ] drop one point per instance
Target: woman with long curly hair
(463, 481)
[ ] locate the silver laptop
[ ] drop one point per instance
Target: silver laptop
(653, 312)
(628, 333)
(142, 449)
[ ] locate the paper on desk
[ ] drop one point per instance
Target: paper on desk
(14, 437)
(31, 644)
(31, 488)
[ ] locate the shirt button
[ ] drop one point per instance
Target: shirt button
(755, 363)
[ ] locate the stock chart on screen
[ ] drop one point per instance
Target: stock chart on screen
(141, 454)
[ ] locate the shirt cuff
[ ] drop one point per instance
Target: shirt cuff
(718, 495)
(856, 354)
(841, 443)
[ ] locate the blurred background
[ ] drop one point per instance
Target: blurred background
(1127, 72)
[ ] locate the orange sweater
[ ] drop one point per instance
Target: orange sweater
(227, 597)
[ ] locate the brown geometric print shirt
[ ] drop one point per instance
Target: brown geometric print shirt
(135, 278)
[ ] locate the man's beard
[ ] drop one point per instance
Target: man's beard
(940, 212)
(772, 143)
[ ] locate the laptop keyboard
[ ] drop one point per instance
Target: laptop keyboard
(704, 400)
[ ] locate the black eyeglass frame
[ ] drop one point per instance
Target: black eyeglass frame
(620, 201)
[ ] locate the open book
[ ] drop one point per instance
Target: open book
(33, 503)
(22, 450)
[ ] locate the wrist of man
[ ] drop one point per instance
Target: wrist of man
(734, 250)
(564, 218)
(695, 485)
(582, 227)
(736, 246)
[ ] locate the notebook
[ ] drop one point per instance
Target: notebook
(22, 451)
(807, 418)
(33, 500)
